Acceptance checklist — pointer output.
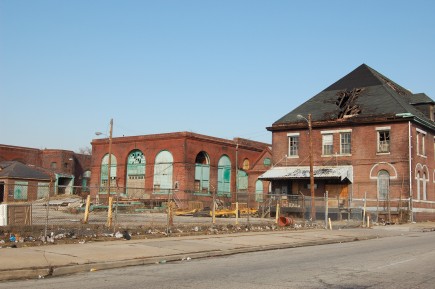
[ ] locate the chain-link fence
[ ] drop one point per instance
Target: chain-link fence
(76, 215)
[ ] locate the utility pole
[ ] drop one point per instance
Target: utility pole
(313, 203)
(109, 163)
(310, 136)
(237, 172)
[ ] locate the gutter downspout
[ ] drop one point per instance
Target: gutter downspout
(410, 171)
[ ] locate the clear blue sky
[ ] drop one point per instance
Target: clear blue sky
(222, 68)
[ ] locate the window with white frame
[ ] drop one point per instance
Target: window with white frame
(421, 147)
(383, 141)
(293, 145)
(345, 143)
(327, 144)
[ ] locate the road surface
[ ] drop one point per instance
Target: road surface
(406, 261)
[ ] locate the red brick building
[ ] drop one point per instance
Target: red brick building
(184, 165)
(66, 168)
(372, 146)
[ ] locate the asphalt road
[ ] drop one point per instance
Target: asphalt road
(396, 262)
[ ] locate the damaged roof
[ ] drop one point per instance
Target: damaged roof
(327, 172)
(364, 92)
(17, 170)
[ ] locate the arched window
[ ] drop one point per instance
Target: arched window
(424, 185)
(105, 175)
(242, 181)
(163, 169)
(202, 173)
(259, 191)
(418, 186)
(383, 185)
(135, 177)
(224, 176)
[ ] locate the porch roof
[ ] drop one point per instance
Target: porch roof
(324, 172)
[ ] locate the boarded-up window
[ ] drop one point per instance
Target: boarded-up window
(20, 190)
(163, 169)
(224, 175)
(202, 173)
(105, 171)
(43, 190)
(383, 185)
(259, 191)
(202, 178)
(242, 181)
(135, 179)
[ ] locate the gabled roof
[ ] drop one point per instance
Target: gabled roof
(266, 151)
(363, 93)
(17, 170)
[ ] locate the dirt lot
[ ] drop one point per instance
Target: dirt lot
(63, 223)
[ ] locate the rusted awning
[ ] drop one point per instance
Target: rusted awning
(323, 172)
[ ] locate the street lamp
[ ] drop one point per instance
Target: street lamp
(313, 208)
(109, 164)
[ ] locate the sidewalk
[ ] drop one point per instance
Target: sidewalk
(57, 260)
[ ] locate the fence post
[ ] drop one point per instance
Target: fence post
(213, 209)
(364, 211)
(277, 213)
(326, 209)
(48, 208)
(237, 213)
(88, 204)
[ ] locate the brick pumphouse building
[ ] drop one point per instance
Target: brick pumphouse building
(26, 172)
(184, 166)
(372, 147)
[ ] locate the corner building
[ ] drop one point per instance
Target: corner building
(372, 148)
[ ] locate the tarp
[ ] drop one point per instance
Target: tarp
(324, 172)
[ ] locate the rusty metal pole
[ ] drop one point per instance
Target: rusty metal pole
(313, 204)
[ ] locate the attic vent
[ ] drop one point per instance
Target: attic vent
(346, 102)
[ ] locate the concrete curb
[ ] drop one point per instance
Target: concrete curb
(50, 271)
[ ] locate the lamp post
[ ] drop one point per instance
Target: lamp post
(109, 163)
(313, 204)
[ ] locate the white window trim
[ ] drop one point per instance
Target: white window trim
(420, 131)
(423, 140)
(383, 128)
(289, 135)
(335, 131)
(323, 146)
(378, 130)
(346, 154)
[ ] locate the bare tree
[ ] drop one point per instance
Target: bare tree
(85, 151)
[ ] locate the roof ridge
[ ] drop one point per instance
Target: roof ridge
(387, 81)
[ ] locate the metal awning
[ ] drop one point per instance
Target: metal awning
(323, 172)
